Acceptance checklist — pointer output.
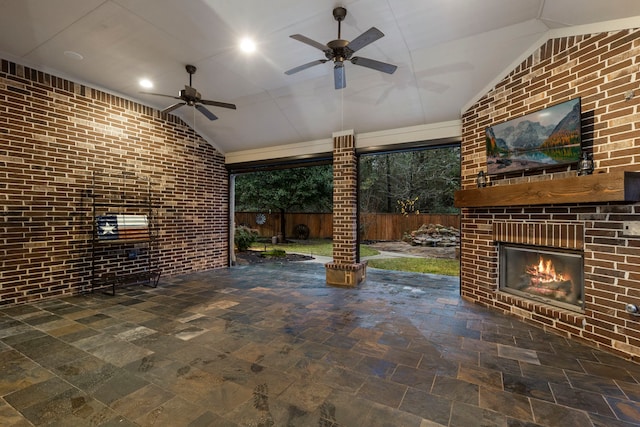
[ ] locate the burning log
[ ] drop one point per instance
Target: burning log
(543, 280)
(552, 277)
(540, 276)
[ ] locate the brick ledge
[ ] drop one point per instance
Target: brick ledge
(347, 275)
(552, 313)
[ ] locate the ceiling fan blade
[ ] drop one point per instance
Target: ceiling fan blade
(376, 65)
(305, 66)
(307, 40)
(170, 108)
(339, 78)
(218, 104)
(206, 112)
(368, 37)
(160, 94)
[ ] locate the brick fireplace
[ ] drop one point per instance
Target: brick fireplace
(542, 262)
(550, 276)
(556, 211)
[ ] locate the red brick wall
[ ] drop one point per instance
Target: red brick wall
(53, 135)
(601, 69)
(345, 206)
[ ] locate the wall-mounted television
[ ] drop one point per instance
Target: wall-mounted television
(544, 139)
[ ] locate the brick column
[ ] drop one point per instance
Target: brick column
(344, 270)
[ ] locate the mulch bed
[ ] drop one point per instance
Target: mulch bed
(255, 257)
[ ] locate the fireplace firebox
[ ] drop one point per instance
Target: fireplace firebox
(548, 275)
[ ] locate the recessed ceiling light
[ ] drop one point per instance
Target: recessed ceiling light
(146, 83)
(73, 55)
(247, 45)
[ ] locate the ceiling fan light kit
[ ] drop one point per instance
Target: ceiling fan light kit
(191, 97)
(340, 50)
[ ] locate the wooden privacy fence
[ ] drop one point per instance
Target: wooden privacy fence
(392, 226)
(373, 226)
(320, 224)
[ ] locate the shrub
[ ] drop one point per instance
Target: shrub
(244, 237)
(274, 253)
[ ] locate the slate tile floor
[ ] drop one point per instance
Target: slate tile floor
(272, 345)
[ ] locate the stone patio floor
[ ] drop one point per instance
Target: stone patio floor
(273, 345)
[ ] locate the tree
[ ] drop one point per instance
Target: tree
(428, 177)
(307, 189)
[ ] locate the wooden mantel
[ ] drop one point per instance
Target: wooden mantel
(618, 186)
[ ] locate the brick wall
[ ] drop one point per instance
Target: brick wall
(345, 207)
(54, 134)
(601, 69)
(344, 270)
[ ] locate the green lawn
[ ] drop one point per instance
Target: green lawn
(447, 267)
(323, 247)
(310, 247)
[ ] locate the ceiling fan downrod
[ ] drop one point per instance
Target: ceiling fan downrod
(339, 13)
(191, 69)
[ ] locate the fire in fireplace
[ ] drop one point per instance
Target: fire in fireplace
(552, 276)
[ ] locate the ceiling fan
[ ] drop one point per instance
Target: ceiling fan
(340, 50)
(190, 96)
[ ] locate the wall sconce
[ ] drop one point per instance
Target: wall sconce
(585, 166)
(632, 309)
(481, 180)
(628, 96)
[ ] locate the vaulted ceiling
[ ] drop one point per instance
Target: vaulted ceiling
(447, 53)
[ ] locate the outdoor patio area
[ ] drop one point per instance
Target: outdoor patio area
(273, 345)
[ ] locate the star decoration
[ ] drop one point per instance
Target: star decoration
(107, 229)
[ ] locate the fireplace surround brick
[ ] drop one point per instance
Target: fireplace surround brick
(565, 235)
(600, 68)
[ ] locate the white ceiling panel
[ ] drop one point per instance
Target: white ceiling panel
(562, 13)
(247, 127)
(447, 53)
(429, 23)
(25, 24)
(193, 23)
(116, 45)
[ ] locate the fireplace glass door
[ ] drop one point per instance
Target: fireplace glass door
(551, 276)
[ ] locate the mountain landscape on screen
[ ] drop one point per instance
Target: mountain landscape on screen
(547, 138)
